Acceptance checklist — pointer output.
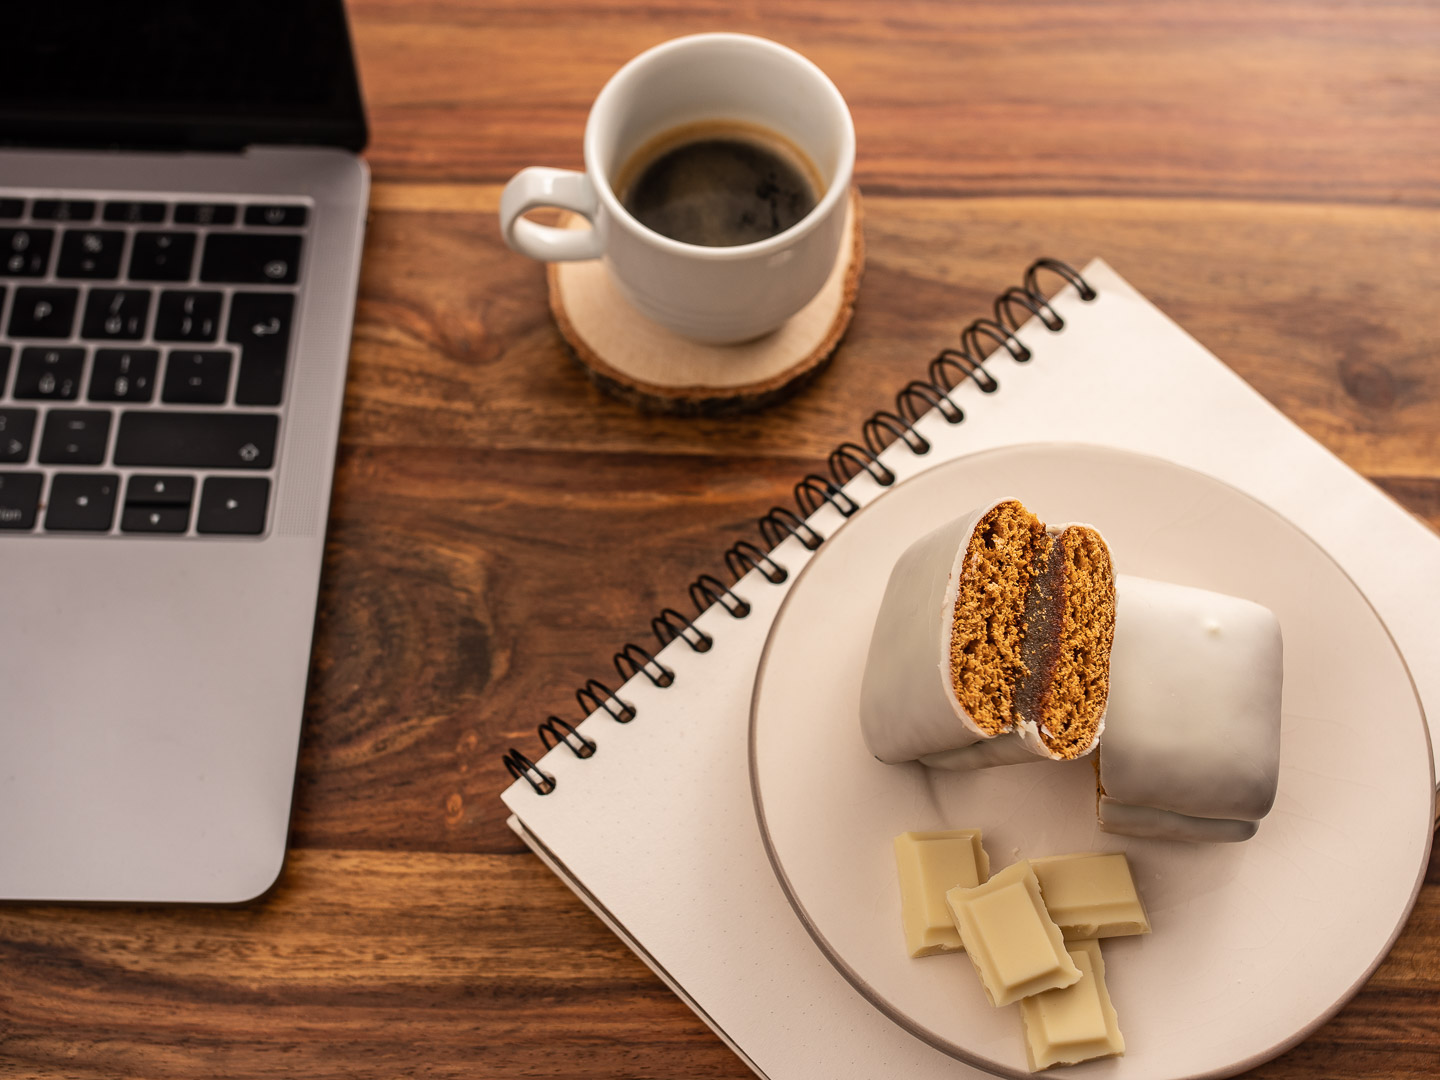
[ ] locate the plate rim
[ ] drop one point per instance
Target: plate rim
(945, 1046)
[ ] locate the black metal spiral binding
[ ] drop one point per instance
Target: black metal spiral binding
(780, 522)
(665, 631)
(745, 556)
(848, 455)
(1037, 306)
(552, 736)
(809, 492)
(946, 372)
(587, 696)
(898, 427)
(934, 399)
(628, 667)
(521, 767)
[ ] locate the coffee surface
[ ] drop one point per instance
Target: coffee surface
(720, 191)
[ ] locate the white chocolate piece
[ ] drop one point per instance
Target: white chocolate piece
(1076, 1023)
(1192, 746)
(908, 706)
(1015, 946)
(1091, 895)
(930, 865)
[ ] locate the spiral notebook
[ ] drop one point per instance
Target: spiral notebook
(644, 807)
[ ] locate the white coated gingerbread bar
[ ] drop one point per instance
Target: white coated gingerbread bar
(908, 707)
(1192, 741)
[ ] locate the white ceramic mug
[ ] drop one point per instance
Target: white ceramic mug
(717, 295)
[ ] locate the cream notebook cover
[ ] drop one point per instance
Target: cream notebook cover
(656, 831)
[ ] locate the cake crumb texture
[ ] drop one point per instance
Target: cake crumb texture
(1080, 685)
(989, 629)
(1033, 624)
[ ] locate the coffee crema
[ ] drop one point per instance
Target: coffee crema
(719, 183)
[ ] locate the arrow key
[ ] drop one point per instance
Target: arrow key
(81, 502)
(233, 506)
(155, 519)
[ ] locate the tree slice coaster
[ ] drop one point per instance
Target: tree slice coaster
(655, 370)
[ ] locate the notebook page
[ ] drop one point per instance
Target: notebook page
(659, 827)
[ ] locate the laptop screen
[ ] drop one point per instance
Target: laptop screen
(179, 74)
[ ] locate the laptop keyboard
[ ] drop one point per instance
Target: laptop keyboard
(144, 347)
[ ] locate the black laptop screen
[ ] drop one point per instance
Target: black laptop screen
(202, 74)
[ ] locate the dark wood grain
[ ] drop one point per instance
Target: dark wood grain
(1266, 173)
(1324, 100)
(1311, 304)
(385, 964)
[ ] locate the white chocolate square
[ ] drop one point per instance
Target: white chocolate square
(931, 864)
(1091, 895)
(1075, 1023)
(1015, 946)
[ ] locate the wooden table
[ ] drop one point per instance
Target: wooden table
(1266, 173)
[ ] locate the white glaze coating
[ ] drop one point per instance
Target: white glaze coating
(1128, 820)
(1192, 750)
(1007, 749)
(908, 706)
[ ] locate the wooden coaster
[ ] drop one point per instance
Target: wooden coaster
(641, 362)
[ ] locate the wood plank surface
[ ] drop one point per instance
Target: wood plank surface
(1278, 100)
(1266, 173)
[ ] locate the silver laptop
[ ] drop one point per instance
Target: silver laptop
(181, 218)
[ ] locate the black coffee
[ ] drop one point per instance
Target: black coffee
(719, 190)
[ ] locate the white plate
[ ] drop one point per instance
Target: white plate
(1254, 944)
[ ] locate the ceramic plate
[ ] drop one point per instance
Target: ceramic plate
(1254, 944)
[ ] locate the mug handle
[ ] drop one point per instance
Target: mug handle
(535, 187)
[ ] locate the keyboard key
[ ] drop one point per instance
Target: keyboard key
(19, 496)
(187, 316)
(74, 437)
(135, 212)
(155, 519)
(17, 431)
(124, 374)
(116, 314)
(25, 252)
(205, 214)
(260, 325)
(43, 312)
(251, 258)
(233, 506)
(197, 378)
(160, 491)
(275, 216)
(162, 256)
(157, 504)
(5, 353)
(161, 439)
(81, 502)
(12, 208)
(49, 374)
(64, 210)
(90, 253)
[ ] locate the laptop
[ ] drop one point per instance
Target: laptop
(181, 218)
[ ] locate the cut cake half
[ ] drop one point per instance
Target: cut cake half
(993, 625)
